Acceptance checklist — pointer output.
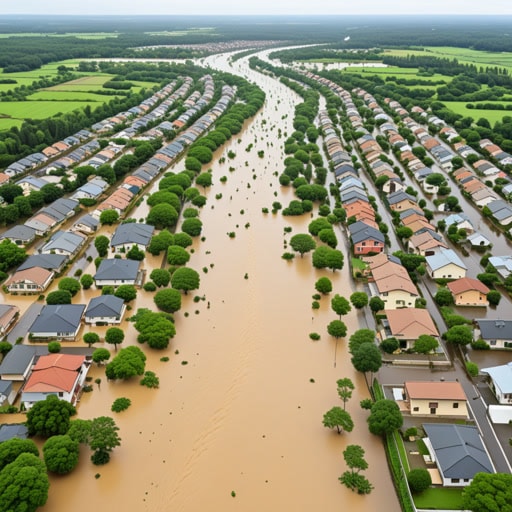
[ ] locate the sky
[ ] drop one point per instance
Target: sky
(297, 7)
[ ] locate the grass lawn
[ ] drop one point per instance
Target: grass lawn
(38, 109)
(7, 122)
(459, 107)
(47, 95)
(438, 498)
(401, 451)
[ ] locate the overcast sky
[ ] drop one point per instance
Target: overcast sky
(255, 7)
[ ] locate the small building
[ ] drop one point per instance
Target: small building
(20, 235)
(408, 324)
(399, 201)
(86, 224)
(115, 271)
(64, 242)
(8, 316)
(130, 235)
(478, 240)
(7, 392)
(365, 238)
(53, 262)
(445, 264)
(105, 309)
(16, 430)
(458, 451)
(502, 264)
(441, 398)
(500, 381)
(62, 375)
(60, 321)
(30, 280)
(469, 292)
(497, 333)
(17, 363)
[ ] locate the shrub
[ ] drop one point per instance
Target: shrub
(150, 380)
(314, 336)
(149, 286)
(54, 347)
(472, 368)
(480, 345)
(121, 404)
(389, 345)
(419, 480)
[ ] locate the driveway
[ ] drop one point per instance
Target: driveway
(25, 322)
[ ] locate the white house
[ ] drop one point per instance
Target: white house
(500, 381)
(445, 264)
(105, 309)
(116, 271)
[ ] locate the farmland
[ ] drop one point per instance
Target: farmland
(38, 109)
(459, 107)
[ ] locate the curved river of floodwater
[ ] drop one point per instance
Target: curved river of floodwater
(239, 409)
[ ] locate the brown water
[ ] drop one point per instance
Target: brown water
(242, 415)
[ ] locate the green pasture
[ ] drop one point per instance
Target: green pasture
(7, 122)
(37, 109)
(439, 498)
(51, 95)
(459, 107)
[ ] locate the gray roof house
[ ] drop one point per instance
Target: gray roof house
(497, 333)
(17, 363)
(20, 234)
(7, 395)
(115, 272)
(60, 321)
(64, 242)
(131, 234)
(500, 381)
(86, 224)
(445, 264)
(458, 451)
(48, 261)
(105, 309)
(502, 264)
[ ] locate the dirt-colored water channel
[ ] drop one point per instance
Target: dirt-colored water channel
(241, 401)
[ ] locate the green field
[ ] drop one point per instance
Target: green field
(7, 122)
(438, 498)
(37, 109)
(459, 107)
(51, 95)
(407, 73)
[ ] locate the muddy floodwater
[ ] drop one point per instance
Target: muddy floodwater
(237, 421)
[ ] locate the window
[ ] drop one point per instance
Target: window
(416, 409)
(455, 405)
(455, 480)
(433, 405)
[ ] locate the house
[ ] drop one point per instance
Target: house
(7, 393)
(53, 262)
(458, 451)
(8, 316)
(502, 264)
(460, 220)
(30, 280)
(497, 333)
(469, 292)
(60, 321)
(436, 398)
(64, 242)
(114, 272)
(366, 239)
(478, 240)
(131, 235)
(62, 375)
(16, 430)
(391, 282)
(426, 243)
(105, 309)
(445, 264)
(20, 235)
(501, 211)
(86, 224)
(500, 381)
(17, 363)
(400, 200)
(408, 324)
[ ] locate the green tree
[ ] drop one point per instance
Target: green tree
(86, 280)
(192, 226)
(127, 292)
(302, 243)
(419, 480)
(100, 355)
(359, 300)
(168, 300)
(49, 417)
(58, 297)
(135, 254)
(160, 242)
(459, 335)
(103, 438)
(162, 216)
(150, 380)
(69, 284)
(334, 260)
(443, 297)
(24, 484)
(353, 479)
(177, 255)
(385, 417)
(338, 418)
(337, 329)
(327, 236)
(183, 240)
(12, 448)
(61, 454)
(425, 344)
(323, 285)
(204, 180)
(359, 337)
(130, 361)
(315, 226)
(114, 336)
(185, 279)
(11, 255)
(404, 232)
(494, 297)
(155, 329)
(160, 276)
(91, 338)
(345, 388)
(54, 347)
(376, 304)
(491, 492)
(5, 347)
(340, 305)
(109, 217)
(102, 243)
(367, 358)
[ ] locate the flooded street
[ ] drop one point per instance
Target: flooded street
(237, 421)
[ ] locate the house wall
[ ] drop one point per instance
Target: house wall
(367, 247)
(449, 271)
(503, 398)
(113, 282)
(56, 335)
(471, 298)
(103, 319)
(444, 407)
(29, 399)
(126, 247)
(398, 299)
